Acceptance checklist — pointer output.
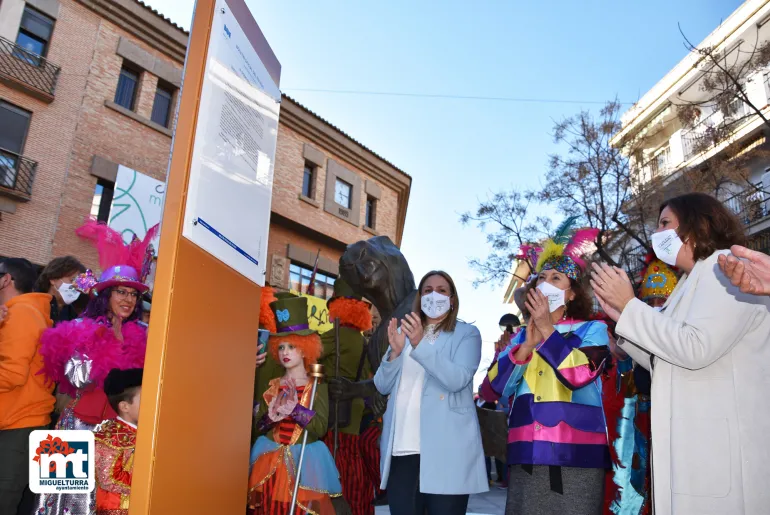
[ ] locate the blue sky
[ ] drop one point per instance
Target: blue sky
(459, 150)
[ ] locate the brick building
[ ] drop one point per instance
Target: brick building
(87, 86)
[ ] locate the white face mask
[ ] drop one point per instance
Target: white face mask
(435, 305)
(554, 295)
(68, 293)
(666, 245)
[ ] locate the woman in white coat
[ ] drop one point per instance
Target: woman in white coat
(432, 457)
(709, 354)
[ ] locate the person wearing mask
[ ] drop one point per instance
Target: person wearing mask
(558, 452)
(432, 456)
(26, 398)
(58, 280)
(707, 352)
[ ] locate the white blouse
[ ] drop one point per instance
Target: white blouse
(406, 438)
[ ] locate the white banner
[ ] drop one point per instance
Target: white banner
(231, 176)
(137, 204)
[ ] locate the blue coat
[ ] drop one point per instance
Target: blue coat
(451, 456)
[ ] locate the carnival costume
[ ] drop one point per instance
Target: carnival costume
(115, 445)
(354, 318)
(557, 442)
(275, 454)
(79, 354)
(628, 415)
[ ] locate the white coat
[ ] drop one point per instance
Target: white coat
(710, 355)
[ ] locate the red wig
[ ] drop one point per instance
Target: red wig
(266, 315)
(310, 346)
(351, 312)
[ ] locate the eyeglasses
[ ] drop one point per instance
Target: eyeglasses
(122, 294)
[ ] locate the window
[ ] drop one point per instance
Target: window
(125, 95)
(371, 210)
(161, 108)
(102, 201)
(342, 193)
(14, 124)
(299, 277)
(308, 180)
(34, 35)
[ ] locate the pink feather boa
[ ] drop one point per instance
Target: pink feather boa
(96, 340)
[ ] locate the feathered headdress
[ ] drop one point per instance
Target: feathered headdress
(564, 252)
(127, 265)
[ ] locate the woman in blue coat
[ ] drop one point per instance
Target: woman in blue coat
(432, 459)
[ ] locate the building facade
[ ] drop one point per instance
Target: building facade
(667, 148)
(88, 87)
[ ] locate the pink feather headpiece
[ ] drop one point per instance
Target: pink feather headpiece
(568, 258)
(127, 265)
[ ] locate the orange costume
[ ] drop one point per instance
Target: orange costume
(115, 444)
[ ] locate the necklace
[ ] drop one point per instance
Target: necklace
(431, 335)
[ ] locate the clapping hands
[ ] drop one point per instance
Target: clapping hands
(752, 274)
(284, 403)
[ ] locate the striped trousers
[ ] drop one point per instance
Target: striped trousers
(356, 486)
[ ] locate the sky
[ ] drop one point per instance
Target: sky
(565, 55)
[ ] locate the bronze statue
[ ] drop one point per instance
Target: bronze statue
(377, 270)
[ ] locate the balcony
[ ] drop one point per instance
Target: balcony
(26, 71)
(749, 206)
(696, 140)
(17, 173)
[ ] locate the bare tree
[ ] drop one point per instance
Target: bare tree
(723, 107)
(510, 223)
(593, 180)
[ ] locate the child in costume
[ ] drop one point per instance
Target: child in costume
(354, 318)
(116, 442)
(557, 442)
(79, 354)
(284, 416)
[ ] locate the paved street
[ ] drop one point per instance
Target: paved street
(490, 503)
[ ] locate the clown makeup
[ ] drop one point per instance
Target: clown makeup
(289, 356)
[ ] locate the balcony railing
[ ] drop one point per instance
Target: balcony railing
(660, 164)
(17, 173)
(749, 206)
(693, 140)
(25, 67)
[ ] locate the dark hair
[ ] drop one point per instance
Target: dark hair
(450, 322)
(126, 395)
(579, 308)
(22, 272)
(99, 306)
(56, 269)
(707, 222)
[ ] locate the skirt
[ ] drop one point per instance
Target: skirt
(532, 495)
(273, 473)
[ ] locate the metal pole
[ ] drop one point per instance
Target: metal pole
(317, 373)
(337, 375)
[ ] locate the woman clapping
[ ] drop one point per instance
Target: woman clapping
(707, 351)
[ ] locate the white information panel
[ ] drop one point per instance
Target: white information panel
(231, 175)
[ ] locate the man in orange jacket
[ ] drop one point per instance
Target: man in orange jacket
(26, 400)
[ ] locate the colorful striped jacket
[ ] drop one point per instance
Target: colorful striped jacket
(556, 417)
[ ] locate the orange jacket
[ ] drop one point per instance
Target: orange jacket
(26, 398)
